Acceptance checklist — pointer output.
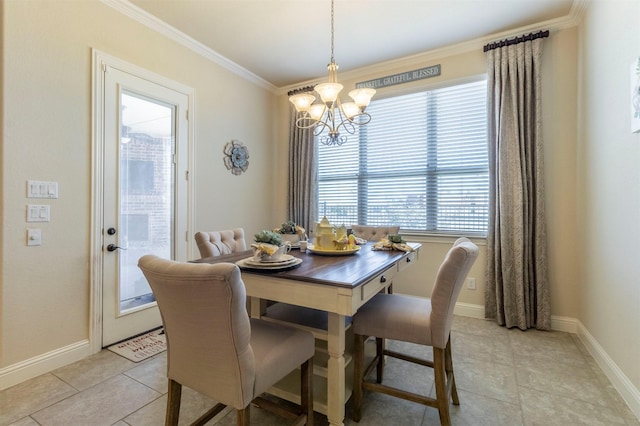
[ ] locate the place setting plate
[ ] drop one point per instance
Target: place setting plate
(285, 262)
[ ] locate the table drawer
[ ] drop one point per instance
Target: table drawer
(375, 285)
(411, 258)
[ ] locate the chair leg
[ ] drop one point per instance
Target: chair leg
(306, 390)
(442, 396)
(358, 367)
(244, 416)
(380, 355)
(173, 403)
(450, 375)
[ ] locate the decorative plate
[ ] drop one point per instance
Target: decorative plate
(325, 252)
(261, 266)
(284, 259)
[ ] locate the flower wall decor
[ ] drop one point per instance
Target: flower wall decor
(236, 157)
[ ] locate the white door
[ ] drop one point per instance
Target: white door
(145, 163)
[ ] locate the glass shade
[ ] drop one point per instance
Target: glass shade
(302, 101)
(350, 109)
(316, 111)
(362, 97)
(329, 91)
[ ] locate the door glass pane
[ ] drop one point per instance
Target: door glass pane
(146, 193)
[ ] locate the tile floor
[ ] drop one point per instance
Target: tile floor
(504, 377)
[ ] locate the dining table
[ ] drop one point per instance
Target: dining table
(320, 292)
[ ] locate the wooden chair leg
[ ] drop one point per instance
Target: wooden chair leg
(173, 403)
(306, 390)
(442, 397)
(358, 367)
(244, 416)
(380, 355)
(450, 375)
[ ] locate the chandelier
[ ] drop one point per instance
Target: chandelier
(331, 113)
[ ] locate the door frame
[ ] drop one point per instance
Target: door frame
(100, 61)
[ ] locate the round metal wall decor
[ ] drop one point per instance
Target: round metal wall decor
(236, 157)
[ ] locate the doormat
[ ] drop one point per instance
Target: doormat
(141, 347)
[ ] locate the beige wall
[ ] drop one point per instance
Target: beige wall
(47, 136)
(608, 170)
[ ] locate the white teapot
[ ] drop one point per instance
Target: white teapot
(325, 235)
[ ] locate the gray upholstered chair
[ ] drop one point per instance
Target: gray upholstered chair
(216, 243)
(417, 320)
(214, 348)
(374, 233)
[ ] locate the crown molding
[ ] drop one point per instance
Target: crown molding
(134, 12)
(572, 19)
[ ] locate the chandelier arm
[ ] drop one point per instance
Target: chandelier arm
(300, 122)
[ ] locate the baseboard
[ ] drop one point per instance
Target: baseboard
(33, 367)
(620, 381)
(565, 324)
(469, 310)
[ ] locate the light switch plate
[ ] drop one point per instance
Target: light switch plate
(38, 213)
(42, 189)
(34, 237)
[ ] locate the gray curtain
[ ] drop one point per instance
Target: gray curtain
(302, 175)
(517, 290)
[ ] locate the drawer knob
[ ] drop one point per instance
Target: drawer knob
(408, 259)
(383, 279)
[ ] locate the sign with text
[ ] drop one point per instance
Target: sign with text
(405, 77)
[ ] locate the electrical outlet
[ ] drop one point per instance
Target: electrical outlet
(471, 283)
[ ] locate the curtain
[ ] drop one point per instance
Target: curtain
(302, 188)
(517, 291)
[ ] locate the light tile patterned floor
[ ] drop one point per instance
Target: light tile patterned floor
(504, 377)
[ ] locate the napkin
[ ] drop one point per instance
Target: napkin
(265, 248)
(385, 244)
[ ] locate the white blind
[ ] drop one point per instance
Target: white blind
(420, 163)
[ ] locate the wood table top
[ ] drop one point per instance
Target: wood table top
(348, 271)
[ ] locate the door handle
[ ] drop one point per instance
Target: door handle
(113, 247)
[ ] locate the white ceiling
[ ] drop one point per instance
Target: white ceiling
(287, 42)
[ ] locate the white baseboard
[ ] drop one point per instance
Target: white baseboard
(469, 310)
(565, 324)
(33, 367)
(620, 381)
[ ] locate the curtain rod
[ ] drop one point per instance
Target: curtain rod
(300, 90)
(527, 37)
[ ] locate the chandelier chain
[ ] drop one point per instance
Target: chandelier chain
(332, 59)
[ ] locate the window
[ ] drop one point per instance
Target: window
(420, 163)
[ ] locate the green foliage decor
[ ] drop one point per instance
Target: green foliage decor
(269, 237)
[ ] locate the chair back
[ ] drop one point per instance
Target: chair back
(207, 327)
(374, 233)
(449, 281)
(216, 243)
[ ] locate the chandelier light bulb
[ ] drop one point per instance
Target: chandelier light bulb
(302, 101)
(350, 109)
(316, 111)
(362, 97)
(329, 92)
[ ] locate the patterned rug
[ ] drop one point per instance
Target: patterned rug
(141, 347)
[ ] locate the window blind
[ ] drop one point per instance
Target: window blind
(420, 163)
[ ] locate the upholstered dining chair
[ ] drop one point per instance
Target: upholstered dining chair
(416, 320)
(374, 233)
(214, 348)
(216, 243)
